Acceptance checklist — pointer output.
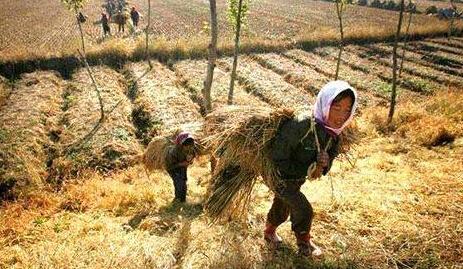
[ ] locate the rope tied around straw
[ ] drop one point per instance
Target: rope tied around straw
(312, 129)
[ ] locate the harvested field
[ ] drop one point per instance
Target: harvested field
(412, 81)
(357, 76)
(165, 103)
(28, 122)
(46, 28)
(413, 56)
(413, 68)
(365, 66)
(430, 46)
(39, 27)
(267, 85)
(193, 73)
(115, 143)
(126, 220)
(445, 42)
(299, 17)
(294, 73)
(438, 56)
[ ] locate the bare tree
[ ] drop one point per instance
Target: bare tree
(340, 7)
(147, 58)
(236, 13)
(407, 33)
(212, 58)
(455, 14)
(76, 5)
(394, 64)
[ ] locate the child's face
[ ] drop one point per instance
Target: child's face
(340, 112)
(189, 148)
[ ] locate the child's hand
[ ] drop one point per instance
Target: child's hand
(317, 173)
(323, 159)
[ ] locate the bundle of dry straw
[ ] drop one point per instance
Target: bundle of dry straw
(154, 156)
(241, 138)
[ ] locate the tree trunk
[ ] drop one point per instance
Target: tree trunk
(212, 58)
(235, 56)
(404, 47)
(147, 53)
(341, 43)
(394, 64)
(451, 22)
(81, 32)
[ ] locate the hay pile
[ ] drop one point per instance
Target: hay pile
(5, 90)
(241, 137)
(154, 156)
(269, 86)
(114, 145)
(27, 122)
(155, 153)
(192, 73)
(430, 122)
(161, 106)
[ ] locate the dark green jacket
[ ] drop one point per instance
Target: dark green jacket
(291, 156)
(174, 157)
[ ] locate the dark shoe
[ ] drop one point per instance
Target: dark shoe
(306, 246)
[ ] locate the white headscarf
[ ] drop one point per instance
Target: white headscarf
(324, 100)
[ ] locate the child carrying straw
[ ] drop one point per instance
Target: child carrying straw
(179, 156)
(297, 155)
(281, 149)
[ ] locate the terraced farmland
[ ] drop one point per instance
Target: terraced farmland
(99, 207)
(169, 97)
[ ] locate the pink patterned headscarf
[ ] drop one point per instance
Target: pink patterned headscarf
(324, 100)
(182, 137)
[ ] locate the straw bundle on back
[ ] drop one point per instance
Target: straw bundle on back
(241, 137)
(155, 154)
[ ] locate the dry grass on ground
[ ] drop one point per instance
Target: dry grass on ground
(398, 206)
(27, 123)
(5, 90)
(192, 73)
(161, 106)
(113, 145)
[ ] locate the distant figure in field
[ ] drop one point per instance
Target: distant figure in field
(135, 15)
(81, 17)
(121, 19)
(105, 24)
(177, 160)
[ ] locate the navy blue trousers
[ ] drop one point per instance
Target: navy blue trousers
(179, 177)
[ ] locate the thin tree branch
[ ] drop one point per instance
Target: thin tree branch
(394, 65)
(404, 47)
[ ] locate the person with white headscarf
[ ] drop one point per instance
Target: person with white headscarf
(307, 147)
